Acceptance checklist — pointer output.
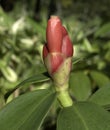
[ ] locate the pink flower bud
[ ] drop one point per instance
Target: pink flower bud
(54, 34)
(53, 61)
(67, 47)
(45, 51)
(64, 32)
(58, 47)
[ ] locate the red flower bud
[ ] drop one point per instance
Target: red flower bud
(53, 61)
(67, 47)
(58, 47)
(54, 34)
(64, 32)
(45, 51)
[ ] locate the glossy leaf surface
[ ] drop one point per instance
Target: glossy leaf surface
(27, 111)
(80, 86)
(102, 96)
(34, 79)
(83, 116)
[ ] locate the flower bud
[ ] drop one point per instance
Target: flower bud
(54, 34)
(58, 51)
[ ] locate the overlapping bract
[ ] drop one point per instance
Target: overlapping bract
(58, 47)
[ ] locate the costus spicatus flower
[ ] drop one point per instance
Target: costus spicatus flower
(58, 51)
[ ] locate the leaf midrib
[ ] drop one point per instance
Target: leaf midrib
(81, 117)
(35, 109)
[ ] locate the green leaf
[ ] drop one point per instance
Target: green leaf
(5, 21)
(77, 60)
(83, 116)
(9, 74)
(36, 26)
(27, 111)
(87, 45)
(103, 31)
(80, 86)
(34, 79)
(101, 96)
(99, 78)
(2, 101)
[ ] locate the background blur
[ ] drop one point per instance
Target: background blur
(22, 35)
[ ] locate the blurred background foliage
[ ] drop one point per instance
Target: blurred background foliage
(22, 35)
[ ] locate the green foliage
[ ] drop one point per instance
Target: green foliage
(99, 78)
(80, 86)
(83, 116)
(104, 31)
(21, 41)
(20, 49)
(27, 111)
(102, 97)
(34, 79)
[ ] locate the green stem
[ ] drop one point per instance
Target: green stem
(63, 94)
(64, 98)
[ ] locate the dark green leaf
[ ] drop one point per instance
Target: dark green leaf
(80, 86)
(103, 31)
(2, 101)
(102, 96)
(99, 78)
(36, 26)
(83, 116)
(27, 111)
(34, 79)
